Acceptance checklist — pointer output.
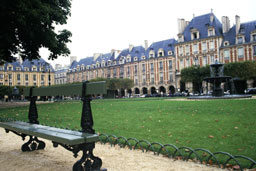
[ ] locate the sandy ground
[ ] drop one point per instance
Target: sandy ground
(59, 159)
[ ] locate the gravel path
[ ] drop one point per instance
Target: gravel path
(59, 159)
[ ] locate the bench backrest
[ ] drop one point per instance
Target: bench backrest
(84, 90)
(68, 90)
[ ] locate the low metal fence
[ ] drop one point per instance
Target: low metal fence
(220, 159)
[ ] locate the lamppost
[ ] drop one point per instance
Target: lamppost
(49, 76)
(176, 71)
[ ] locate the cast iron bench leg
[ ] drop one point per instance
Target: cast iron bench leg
(88, 161)
(32, 144)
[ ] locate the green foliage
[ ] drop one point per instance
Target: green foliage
(28, 25)
(243, 70)
(4, 90)
(7, 90)
(195, 74)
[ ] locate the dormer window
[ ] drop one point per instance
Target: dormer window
(26, 69)
(143, 57)
(160, 52)
(135, 59)
(34, 69)
(151, 54)
(121, 60)
(88, 67)
(114, 62)
(109, 63)
(180, 38)
(9, 68)
(194, 34)
(103, 63)
(128, 58)
(18, 69)
(253, 37)
(211, 31)
(169, 52)
(240, 40)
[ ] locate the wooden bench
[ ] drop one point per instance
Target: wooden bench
(73, 141)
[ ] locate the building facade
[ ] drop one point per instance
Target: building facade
(27, 73)
(156, 68)
(151, 68)
(60, 74)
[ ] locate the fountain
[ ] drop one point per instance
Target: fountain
(217, 77)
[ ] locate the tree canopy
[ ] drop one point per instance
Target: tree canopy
(28, 25)
(242, 70)
(195, 74)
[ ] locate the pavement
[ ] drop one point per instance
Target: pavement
(19, 103)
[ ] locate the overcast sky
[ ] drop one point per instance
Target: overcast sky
(98, 26)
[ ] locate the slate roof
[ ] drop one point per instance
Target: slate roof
(245, 29)
(202, 23)
(167, 45)
(38, 63)
(29, 64)
(137, 51)
(15, 65)
(85, 61)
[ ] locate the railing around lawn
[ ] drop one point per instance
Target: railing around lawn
(237, 162)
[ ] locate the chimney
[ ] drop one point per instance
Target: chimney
(112, 51)
(181, 25)
(146, 44)
(95, 56)
(237, 24)
(72, 59)
(130, 47)
(225, 24)
(115, 53)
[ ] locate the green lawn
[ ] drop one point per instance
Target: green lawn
(216, 125)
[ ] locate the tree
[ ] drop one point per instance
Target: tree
(28, 25)
(195, 74)
(242, 70)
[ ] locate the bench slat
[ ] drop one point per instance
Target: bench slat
(68, 90)
(58, 135)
